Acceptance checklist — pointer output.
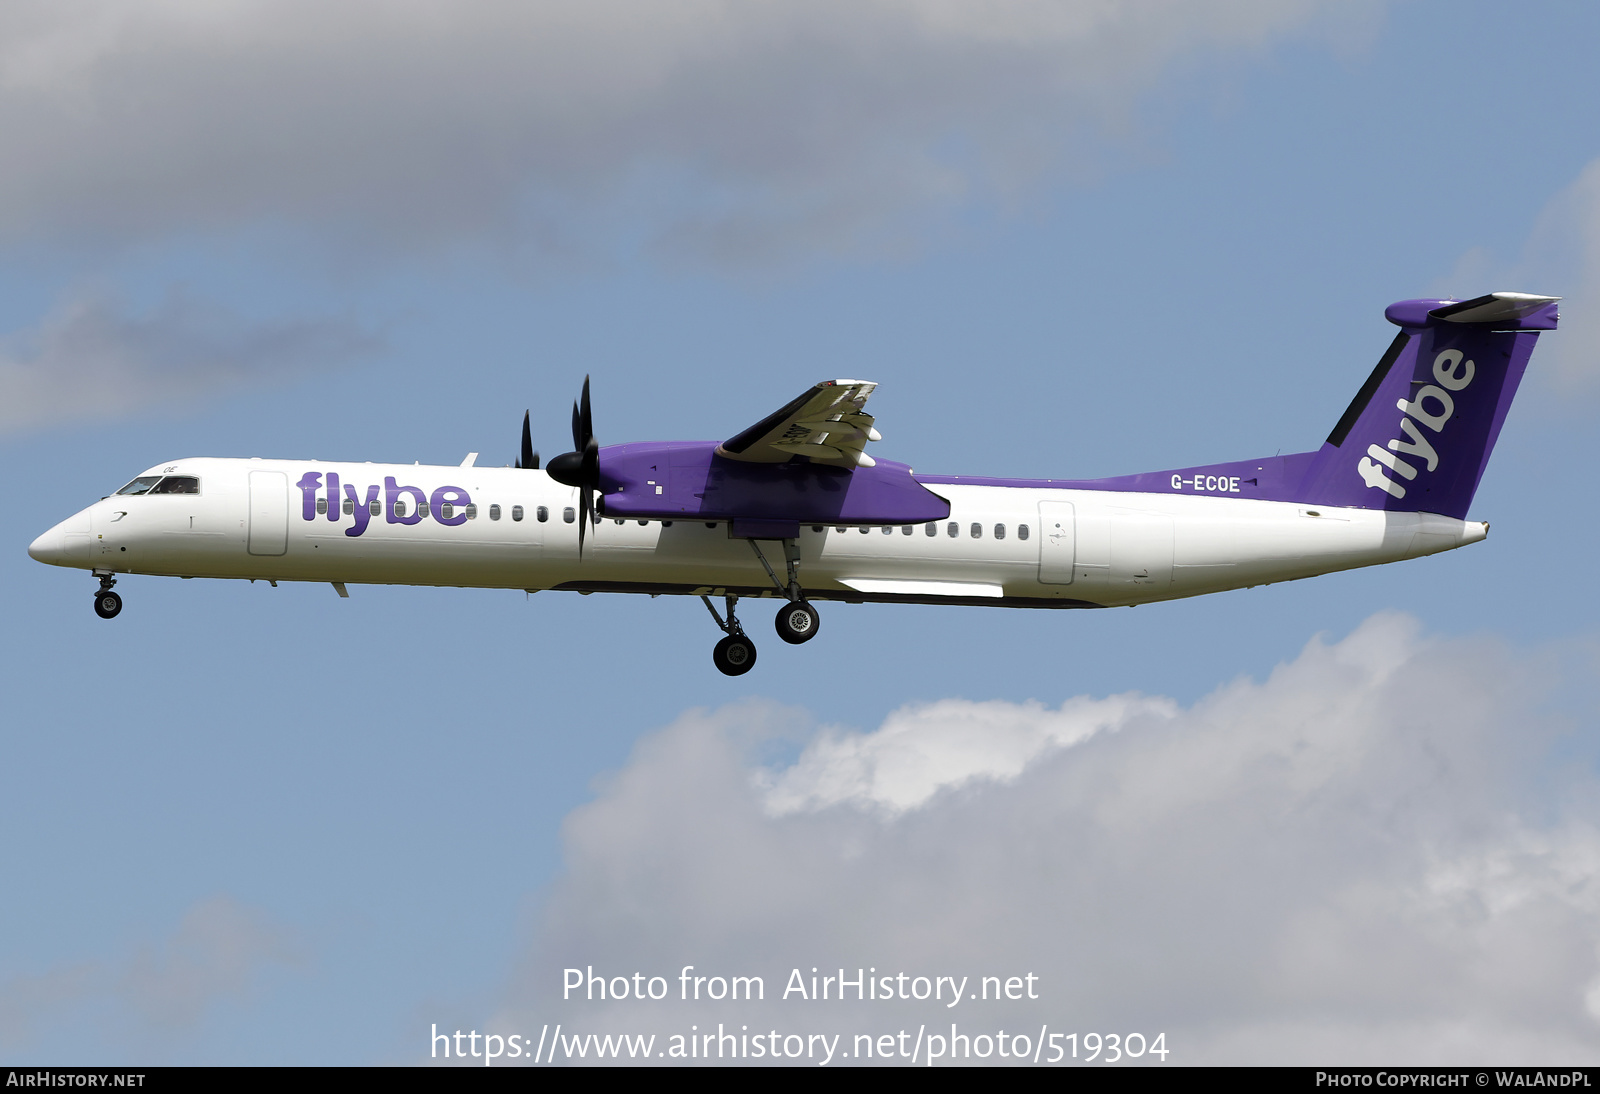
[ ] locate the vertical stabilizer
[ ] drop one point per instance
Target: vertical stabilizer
(1417, 436)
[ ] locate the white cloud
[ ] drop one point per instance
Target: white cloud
(91, 359)
(1367, 857)
(1563, 252)
(219, 949)
(734, 127)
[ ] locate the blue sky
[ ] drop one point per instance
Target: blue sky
(262, 825)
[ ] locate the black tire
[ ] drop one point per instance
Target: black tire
(797, 622)
(735, 655)
(107, 604)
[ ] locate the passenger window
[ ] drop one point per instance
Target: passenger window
(619, 520)
(865, 530)
(494, 511)
(472, 512)
(400, 507)
(977, 530)
(816, 527)
(569, 514)
(516, 512)
(376, 508)
(139, 486)
(542, 513)
(906, 530)
(183, 484)
(446, 510)
(954, 529)
(322, 505)
(422, 508)
(1022, 531)
(999, 531)
(887, 530)
(933, 529)
(349, 507)
(840, 528)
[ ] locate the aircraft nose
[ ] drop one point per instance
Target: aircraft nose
(48, 547)
(67, 544)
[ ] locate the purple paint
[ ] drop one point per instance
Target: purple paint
(687, 480)
(1419, 443)
(391, 494)
(450, 495)
(309, 483)
(333, 496)
(361, 508)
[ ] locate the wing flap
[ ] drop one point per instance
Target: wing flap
(825, 424)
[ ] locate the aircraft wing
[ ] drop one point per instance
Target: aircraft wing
(826, 423)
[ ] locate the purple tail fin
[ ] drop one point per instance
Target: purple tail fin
(1418, 435)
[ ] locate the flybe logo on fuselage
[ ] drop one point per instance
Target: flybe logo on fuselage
(1432, 407)
(333, 501)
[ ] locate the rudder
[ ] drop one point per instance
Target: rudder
(1418, 435)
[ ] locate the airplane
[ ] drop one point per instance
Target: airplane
(794, 510)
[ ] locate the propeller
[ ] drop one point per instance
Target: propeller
(530, 458)
(581, 467)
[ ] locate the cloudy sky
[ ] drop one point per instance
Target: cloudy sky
(1355, 819)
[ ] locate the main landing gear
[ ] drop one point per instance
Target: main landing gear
(107, 603)
(797, 620)
(735, 655)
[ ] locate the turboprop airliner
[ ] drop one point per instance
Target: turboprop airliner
(793, 509)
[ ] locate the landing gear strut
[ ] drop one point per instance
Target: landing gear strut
(797, 620)
(735, 655)
(107, 603)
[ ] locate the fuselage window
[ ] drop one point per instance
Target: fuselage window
(542, 513)
(816, 527)
(446, 510)
(977, 530)
(999, 531)
(422, 508)
(494, 511)
(349, 507)
(569, 514)
(472, 512)
(516, 512)
(905, 530)
(400, 507)
(933, 529)
(178, 484)
(954, 529)
(376, 508)
(619, 520)
(140, 485)
(840, 528)
(865, 530)
(322, 505)
(887, 530)
(1022, 531)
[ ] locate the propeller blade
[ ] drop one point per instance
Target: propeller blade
(588, 421)
(583, 517)
(530, 458)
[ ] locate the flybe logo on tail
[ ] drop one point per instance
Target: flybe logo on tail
(1430, 408)
(398, 504)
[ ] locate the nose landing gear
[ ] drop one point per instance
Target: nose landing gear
(107, 603)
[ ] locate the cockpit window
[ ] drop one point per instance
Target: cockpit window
(178, 484)
(140, 485)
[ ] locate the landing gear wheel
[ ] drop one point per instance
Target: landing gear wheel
(107, 604)
(797, 622)
(735, 655)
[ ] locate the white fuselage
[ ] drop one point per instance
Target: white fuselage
(1017, 546)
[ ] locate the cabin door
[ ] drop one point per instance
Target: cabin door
(1058, 545)
(269, 513)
